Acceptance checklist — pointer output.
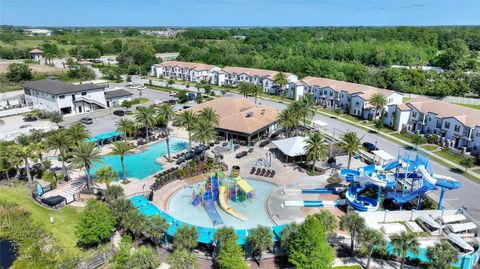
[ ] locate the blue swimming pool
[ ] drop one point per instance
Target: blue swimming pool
(141, 165)
(181, 208)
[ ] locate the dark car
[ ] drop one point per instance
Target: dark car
(186, 107)
(86, 120)
(119, 112)
(241, 154)
(29, 118)
(369, 146)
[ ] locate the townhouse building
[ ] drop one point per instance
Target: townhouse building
(352, 98)
(193, 72)
(230, 75)
(455, 126)
(68, 99)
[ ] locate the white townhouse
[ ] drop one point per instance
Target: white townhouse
(69, 99)
(456, 126)
(230, 75)
(194, 72)
(352, 98)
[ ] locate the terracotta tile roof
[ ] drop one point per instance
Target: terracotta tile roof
(403, 106)
(365, 91)
(188, 65)
(239, 114)
(252, 71)
(468, 116)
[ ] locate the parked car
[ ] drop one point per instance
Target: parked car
(86, 120)
(119, 112)
(25, 126)
(369, 146)
(186, 107)
(241, 154)
(264, 143)
(173, 94)
(29, 118)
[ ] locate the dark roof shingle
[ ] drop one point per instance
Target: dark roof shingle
(117, 93)
(59, 87)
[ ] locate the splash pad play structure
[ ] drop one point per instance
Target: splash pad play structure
(219, 188)
(401, 181)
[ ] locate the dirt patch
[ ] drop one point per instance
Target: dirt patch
(36, 68)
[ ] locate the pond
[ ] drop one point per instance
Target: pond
(7, 254)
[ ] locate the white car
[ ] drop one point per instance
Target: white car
(173, 94)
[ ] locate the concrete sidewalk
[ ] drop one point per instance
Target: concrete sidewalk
(374, 263)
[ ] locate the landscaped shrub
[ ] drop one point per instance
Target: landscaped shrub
(433, 139)
(50, 178)
(96, 224)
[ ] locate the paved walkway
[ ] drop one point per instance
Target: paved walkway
(374, 263)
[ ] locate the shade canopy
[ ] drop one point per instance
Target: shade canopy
(293, 146)
(104, 136)
(383, 155)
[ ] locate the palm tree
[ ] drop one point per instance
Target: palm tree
(244, 88)
(210, 116)
(182, 259)
(145, 117)
(166, 115)
(467, 162)
(84, 156)
(204, 133)
(316, 148)
(328, 220)
(260, 240)
(442, 255)
(58, 140)
(403, 243)
(354, 224)
(187, 119)
(126, 126)
(370, 239)
(185, 238)
(39, 148)
(26, 153)
(77, 133)
(417, 140)
(351, 144)
(144, 257)
(379, 101)
(105, 175)
(155, 227)
(256, 90)
(121, 148)
(286, 121)
(280, 79)
(305, 111)
(55, 118)
(222, 235)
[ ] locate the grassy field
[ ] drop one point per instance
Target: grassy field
(470, 106)
(10, 88)
(348, 267)
(429, 147)
(32, 43)
(404, 137)
(63, 230)
(445, 153)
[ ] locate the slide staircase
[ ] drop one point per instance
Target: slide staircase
(402, 198)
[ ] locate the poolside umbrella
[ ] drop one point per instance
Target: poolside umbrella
(39, 190)
(242, 236)
(205, 234)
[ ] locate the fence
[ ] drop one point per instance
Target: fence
(97, 260)
(451, 99)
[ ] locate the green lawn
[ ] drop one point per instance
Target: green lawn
(470, 106)
(348, 267)
(65, 219)
(406, 99)
(10, 88)
(32, 43)
(429, 147)
(404, 137)
(445, 153)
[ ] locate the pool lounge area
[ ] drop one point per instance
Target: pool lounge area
(142, 164)
(205, 234)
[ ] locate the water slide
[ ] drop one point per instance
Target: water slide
(223, 204)
(439, 180)
(196, 200)
(244, 185)
(360, 203)
(313, 203)
(212, 212)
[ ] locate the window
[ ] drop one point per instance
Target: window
(84, 93)
(414, 114)
(61, 96)
(27, 92)
(447, 125)
(457, 128)
(429, 119)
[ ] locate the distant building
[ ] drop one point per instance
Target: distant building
(167, 56)
(230, 75)
(162, 33)
(32, 32)
(455, 125)
(352, 98)
(36, 54)
(69, 99)
(241, 119)
(194, 72)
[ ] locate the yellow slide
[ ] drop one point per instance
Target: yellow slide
(244, 185)
(223, 204)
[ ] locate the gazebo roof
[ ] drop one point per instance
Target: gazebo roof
(293, 146)
(36, 51)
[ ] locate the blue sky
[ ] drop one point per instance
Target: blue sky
(239, 12)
